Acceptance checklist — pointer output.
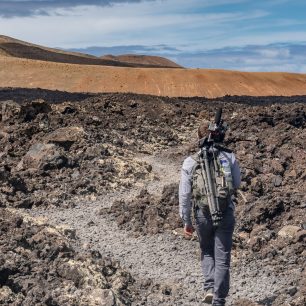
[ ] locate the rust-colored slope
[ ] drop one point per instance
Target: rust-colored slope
(156, 81)
(148, 60)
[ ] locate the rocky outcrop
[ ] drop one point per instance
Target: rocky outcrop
(40, 266)
(146, 214)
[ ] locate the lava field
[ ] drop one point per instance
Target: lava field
(59, 150)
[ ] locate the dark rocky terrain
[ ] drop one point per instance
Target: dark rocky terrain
(147, 215)
(39, 266)
(115, 158)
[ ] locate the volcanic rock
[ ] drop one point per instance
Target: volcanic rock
(66, 136)
(10, 110)
(41, 156)
(146, 214)
(289, 231)
(39, 265)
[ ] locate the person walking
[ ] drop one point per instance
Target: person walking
(215, 240)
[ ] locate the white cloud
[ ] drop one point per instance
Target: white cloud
(268, 38)
(192, 26)
(274, 53)
(276, 57)
(155, 22)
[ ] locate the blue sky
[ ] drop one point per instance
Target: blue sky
(242, 35)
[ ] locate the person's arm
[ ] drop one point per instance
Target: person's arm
(185, 191)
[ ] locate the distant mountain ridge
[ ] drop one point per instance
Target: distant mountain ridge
(21, 49)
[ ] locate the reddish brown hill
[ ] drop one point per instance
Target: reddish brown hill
(55, 70)
(21, 49)
(143, 60)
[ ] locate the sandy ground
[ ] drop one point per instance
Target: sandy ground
(15, 72)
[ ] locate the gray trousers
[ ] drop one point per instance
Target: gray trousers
(215, 247)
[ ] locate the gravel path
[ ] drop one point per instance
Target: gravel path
(167, 259)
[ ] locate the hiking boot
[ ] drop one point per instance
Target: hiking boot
(208, 297)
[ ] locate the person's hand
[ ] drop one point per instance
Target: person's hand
(188, 230)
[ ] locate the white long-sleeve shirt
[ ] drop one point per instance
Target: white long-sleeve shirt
(185, 187)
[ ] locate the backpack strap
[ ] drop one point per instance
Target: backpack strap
(220, 148)
(196, 158)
